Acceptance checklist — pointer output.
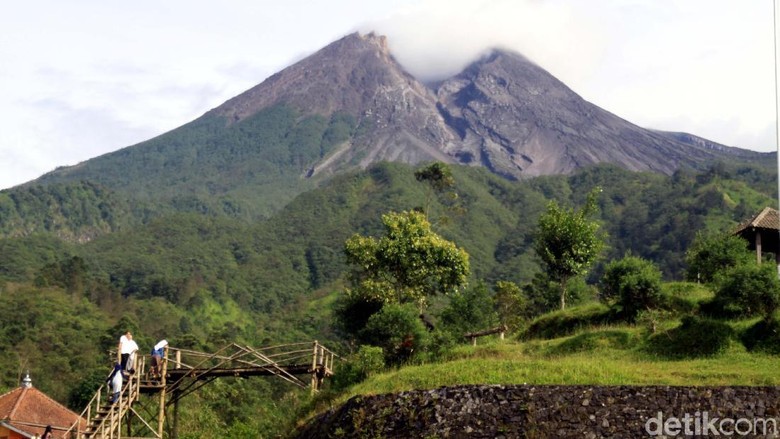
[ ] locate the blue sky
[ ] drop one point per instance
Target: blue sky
(82, 78)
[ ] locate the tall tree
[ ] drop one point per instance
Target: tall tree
(409, 263)
(568, 242)
(440, 181)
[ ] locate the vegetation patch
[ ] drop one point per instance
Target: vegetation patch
(566, 322)
(695, 338)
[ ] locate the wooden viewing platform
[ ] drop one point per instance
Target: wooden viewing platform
(185, 371)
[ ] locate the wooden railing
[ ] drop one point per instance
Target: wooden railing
(184, 371)
(500, 330)
(104, 419)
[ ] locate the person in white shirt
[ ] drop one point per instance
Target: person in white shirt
(127, 349)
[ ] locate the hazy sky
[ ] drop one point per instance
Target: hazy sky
(80, 78)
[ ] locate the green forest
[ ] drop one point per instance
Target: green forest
(80, 262)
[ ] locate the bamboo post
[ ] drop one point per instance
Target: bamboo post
(176, 395)
(314, 369)
(178, 359)
(163, 372)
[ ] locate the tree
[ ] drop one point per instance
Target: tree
(470, 310)
(439, 178)
(408, 264)
(635, 284)
(510, 304)
(713, 253)
(567, 242)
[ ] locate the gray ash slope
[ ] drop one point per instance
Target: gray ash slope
(503, 112)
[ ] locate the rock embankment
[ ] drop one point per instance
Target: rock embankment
(554, 412)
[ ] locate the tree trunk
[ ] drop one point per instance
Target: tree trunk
(563, 294)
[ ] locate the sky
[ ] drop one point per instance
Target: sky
(82, 78)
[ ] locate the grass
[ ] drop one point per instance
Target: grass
(523, 363)
(601, 353)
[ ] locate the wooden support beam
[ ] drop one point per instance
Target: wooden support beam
(474, 335)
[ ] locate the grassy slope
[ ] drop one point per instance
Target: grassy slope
(615, 354)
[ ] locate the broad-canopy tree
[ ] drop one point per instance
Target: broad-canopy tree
(713, 253)
(408, 264)
(568, 242)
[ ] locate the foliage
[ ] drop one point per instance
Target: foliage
(712, 253)
(634, 283)
(469, 310)
(763, 336)
(409, 263)
(510, 304)
(398, 330)
(564, 322)
(685, 297)
(695, 338)
(367, 361)
(750, 289)
(567, 242)
(215, 273)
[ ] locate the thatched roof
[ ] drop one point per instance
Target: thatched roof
(767, 219)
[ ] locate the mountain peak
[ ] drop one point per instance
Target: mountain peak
(338, 77)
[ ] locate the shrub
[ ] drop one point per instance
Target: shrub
(764, 336)
(751, 289)
(633, 282)
(713, 253)
(591, 341)
(695, 337)
(685, 297)
(561, 323)
(398, 330)
(368, 360)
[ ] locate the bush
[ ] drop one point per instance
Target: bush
(764, 336)
(694, 338)
(592, 341)
(368, 360)
(634, 283)
(685, 297)
(714, 253)
(398, 330)
(750, 289)
(561, 323)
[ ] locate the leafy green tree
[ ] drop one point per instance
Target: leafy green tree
(440, 181)
(408, 264)
(750, 289)
(568, 242)
(510, 303)
(469, 310)
(712, 253)
(635, 284)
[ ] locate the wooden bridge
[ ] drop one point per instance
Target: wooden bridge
(184, 371)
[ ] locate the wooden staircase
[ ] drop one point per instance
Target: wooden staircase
(184, 372)
(105, 419)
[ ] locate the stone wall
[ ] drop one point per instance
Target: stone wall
(554, 412)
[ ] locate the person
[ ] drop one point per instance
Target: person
(126, 349)
(47, 434)
(115, 383)
(158, 351)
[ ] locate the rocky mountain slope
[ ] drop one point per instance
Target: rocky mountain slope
(352, 104)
